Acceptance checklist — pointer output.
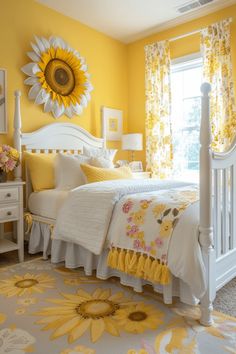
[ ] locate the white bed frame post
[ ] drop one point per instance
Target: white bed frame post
(17, 134)
(205, 224)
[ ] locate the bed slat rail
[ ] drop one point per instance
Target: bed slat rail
(217, 212)
(233, 207)
(224, 214)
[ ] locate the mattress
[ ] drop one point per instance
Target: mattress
(47, 203)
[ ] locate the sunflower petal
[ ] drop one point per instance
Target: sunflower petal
(45, 43)
(88, 86)
(57, 110)
(35, 48)
(96, 294)
(83, 294)
(69, 112)
(31, 80)
(83, 101)
(97, 329)
(33, 56)
(41, 97)
(105, 294)
(48, 105)
(78, 331)
(34, 91)
(40, 44)
(111, 327)
(84, 67)
(77, 109)
(30, 69)
(66, 327)
(87, 95)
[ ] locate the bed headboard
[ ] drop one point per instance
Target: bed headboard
(55, 137)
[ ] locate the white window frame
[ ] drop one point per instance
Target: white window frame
(190, 61)
(187, 62)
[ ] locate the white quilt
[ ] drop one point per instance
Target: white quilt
(86, 219)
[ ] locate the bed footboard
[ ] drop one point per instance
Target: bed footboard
(218, 221)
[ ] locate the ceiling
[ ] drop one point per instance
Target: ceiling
(129, 20)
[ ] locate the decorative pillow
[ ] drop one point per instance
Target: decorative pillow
(100, 162)
(41, 169)
(95, 174)
(68, 172)
(107, 154)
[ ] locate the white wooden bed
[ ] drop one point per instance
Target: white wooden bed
(217, 228)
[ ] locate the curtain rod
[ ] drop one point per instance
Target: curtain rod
(190, 33)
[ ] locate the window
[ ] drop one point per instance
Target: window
(186, 78)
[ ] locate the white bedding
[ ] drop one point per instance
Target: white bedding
(47, 203)
(88, 226)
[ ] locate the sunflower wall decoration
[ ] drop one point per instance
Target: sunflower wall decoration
(58, 76)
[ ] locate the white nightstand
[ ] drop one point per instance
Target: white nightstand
(141, 175)
(11, 209)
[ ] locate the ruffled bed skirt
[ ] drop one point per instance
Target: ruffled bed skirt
(76, 256)
(40, 239)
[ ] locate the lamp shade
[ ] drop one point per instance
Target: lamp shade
(133, 142)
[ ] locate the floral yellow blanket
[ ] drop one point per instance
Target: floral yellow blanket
(147, 225)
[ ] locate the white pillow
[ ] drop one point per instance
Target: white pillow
(68, 173)
(101, 162)
(107, 154)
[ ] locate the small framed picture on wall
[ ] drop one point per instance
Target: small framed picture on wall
(3, 101)
(112, 123)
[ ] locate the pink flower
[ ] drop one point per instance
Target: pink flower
(148, 248)
(134, 229)
(3, 157)
(159, 242)
(10, 165)
(127, 206)
(129, 219)
(6, 147)
(137, 244)
(9, 158)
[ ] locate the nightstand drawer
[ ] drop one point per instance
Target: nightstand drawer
(9, 212)
(9, 194)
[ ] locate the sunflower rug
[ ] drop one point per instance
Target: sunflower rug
(47, 309)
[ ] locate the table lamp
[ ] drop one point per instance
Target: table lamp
(132, 142)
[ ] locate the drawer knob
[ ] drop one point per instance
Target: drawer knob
(9, 213)
(8, 195)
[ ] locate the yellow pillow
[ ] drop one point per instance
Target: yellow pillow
(96, 174)
(41, 169)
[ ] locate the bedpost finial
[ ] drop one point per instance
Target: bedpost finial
(205, 88)
(17, 93)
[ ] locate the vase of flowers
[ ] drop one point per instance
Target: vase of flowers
(9, 159)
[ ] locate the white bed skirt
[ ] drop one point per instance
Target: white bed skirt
(76, 256)
(40, 239)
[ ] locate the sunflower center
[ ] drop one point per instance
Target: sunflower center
(26, 283)
(137, 316)
(96, 309)
(60, 77)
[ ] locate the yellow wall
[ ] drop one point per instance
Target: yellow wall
(136, 65)
(117, 70)
(20, 20)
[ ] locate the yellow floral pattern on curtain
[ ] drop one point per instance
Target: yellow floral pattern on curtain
(159, 149)
(217, 70)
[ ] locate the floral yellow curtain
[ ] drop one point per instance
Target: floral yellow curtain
(159, 151)
(217, 70)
